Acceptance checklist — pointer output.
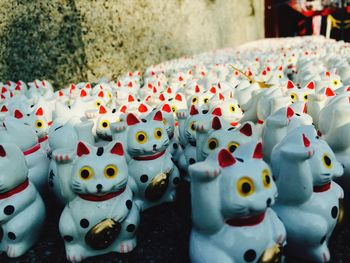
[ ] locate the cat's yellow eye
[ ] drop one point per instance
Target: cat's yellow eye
(245, 186)
(212, 143)
(111, 171)
(98, 103)
(109, 95)
(173, 108)
(232, 108)
(86, 173)
(39, 124)
(335, 82)
(141, 137)
(205, 100)
(279, 76)
(104, 124)
(232, 146)
(293, 96)
(327, 162)
(192, 126)
(164, 121)
(158, 133)
(305, 97)
(266, 178)
(194, 100)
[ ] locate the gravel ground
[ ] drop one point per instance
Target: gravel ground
(162, 237)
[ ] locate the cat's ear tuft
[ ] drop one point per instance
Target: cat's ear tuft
(117, 149)
(82, 149)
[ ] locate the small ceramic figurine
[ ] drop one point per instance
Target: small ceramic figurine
(156, 176)
(22, 209)
(100, 216)
(308, 202)
(232, 218)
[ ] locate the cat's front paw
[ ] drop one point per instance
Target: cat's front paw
(118, 127)
(126, 246)
(181, 114)
(62, 156)
(201, 128)
(91, 114)
(204, 171)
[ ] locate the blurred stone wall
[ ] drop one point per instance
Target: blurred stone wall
(73, 40)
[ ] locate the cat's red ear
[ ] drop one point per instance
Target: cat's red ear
(178, 97)
(101, 94)
(193, 110)
(131, 98)
(166, 108)
(39, 112)
(306, 141)
(216, 124)
(329, 92)
(161, 97)
(158, 116)
(290, 84)
(2, 151)
(117, 149)
(311, 85)
(18, 114)
(142, 108)
(83, 93)
(4, 109)
(123, 109)
(225, 158)
(258, 153)
(102, 110)
(217, 112)
(246, 129)
(289, 113)
(131, 119)
(82, 149)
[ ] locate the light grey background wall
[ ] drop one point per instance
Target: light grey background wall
(70, 41)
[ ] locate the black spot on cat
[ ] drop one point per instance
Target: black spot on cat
(144, 178)
(204, 111)
(297, 114)
(323, 239)
(249, 255)
(84, 223)
(114, 110)
(175, 146)
(334, 212)
(240, 160)
(99, 151)
(59, 127)
(8, 210)
(130, 228)
(192, 161)
(231, 128)
(68, 238)
(176, 180)
(143, 120)
(11, 235)
(128, 204)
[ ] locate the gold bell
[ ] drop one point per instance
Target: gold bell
(103, 234)
(272, 254)
(158, 186)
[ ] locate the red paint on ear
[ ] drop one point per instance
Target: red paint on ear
(158, 116)
(60, 93)
(130, 84)
(131, 119)
(39, 112)
(101, 94)
(169, 90)
(197, 89)
(142, 108)
(216, 124)
(119, 84)
(311, 85)
(3, 90)
(181, 78)
(117, 149)
(148, 98)
(264, 72)
(82, 149)
(161, 97)
(329, 92)
(246, 129)
(268, 68)
(130, 74)
(305, 108)
(150, 86)
(83, 93)
(290, 84)
(131, 98)
(102, 110)
(258, 153)
(123, 109)
(178, 97)
(3, 109)
(213, 90)
(306, 141)
(88, 85)
(154, 90)
(225, 158)
(217, 112)
(280, 68)
(328, 74)
(18, 88)
(18, 114)
(221, 97)
(193, 110)
(166, 108)
(2, 151)
(290, 112)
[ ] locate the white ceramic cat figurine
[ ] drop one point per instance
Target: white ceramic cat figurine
(22, 209)
(241, 226)
(155, 174)
(100, 216)
(308, 203)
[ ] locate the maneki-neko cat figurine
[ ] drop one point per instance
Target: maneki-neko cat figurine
(100, 216)
(308, 201)
(232, 218)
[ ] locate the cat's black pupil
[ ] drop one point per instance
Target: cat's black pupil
(205, 100)
(246, 188)
(39, 124)
(98, 104)
(104, 124)
(327, 160)
(233, 108)
(212, 145)
(232, 148)
(267, 179)
(292, 96)
(192, 126)
(110, 171)
(194, 100)
(305, 97)
(141, 137)
(84, 173)
(173, 109)
(159, 133)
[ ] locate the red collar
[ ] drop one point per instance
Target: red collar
(43, 139)
(148, 158)
(322, 188)
(247, 220)
(260, 121)
(96, 198)
(15, 190)
(32, 150)
(234, 124)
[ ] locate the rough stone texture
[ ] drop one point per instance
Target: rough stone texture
(68, 41)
